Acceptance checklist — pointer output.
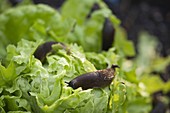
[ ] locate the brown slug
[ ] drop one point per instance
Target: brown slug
(108, 33)
(97, 79)
(42, 51)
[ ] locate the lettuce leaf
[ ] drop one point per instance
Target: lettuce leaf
(7, 75)
(42, 88)
(37, 21)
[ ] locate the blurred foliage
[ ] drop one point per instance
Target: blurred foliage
(4, 5)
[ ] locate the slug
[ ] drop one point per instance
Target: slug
(94, 8)
(97, 79)
(108, 33)
(42, 51)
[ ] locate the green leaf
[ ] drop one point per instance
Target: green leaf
(160, 64)
(82, 9)
(125, 46)
(117, 97)
(33, 22)
(150, 81)
(71, 101)
(103, 59)
(148, 44)
(7, 75)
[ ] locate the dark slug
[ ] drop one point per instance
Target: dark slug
(44, 49)
(108, 33)
(97, 79)
(108, 30)
(94, 8)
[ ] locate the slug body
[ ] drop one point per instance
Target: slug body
(94, 8)
(97, 79)
(108, 33)
(42, 51)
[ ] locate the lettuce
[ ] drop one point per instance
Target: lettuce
(28, 86)
(38, 22)
(41, 88)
